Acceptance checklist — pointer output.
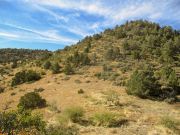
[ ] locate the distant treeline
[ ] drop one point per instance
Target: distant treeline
(11, 55)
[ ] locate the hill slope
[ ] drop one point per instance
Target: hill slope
(120, 81)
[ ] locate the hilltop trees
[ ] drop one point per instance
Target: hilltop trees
(11, 55)
(79, 59)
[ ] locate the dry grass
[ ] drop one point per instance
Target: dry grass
(61, 92)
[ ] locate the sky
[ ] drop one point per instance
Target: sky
(54, 24)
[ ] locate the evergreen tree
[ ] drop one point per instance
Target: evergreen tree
(142, 83)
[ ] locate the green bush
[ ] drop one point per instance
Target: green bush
(169, 78)
(68, 70)
(75, 114)
(55, 68)
(143, 84)
(32, 100)
(14, 122)
(170, 83)
(25, 76)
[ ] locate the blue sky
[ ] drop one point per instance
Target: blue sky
(53, 24)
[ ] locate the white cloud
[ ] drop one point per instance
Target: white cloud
(22, 33)
(113, 14)
(50, 12)
(88, 6)
(9, 35)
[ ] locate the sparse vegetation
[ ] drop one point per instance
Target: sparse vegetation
(53, 107)
(75, 114)
(171, 123)
(61, 130)
(108, 119)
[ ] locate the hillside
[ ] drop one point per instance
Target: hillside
(125, 80)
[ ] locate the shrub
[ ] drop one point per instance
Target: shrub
(1, 90)
(77, 81)
(143, 84)
(81, 91)
(43, 73)
(53, 107)
(170, 83)
(107, 75)
(39, 90)
(14, 64)
(108, 119)
(7, 122)
(31, 100)
(107, 68)
(112, 98)
(61, 130)
(55, 68)
(170, 123)
(25, 76)
(13, 93)
(169, 79)
(68, 70)
(47, 65)
(74, 114)
(14, 122)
